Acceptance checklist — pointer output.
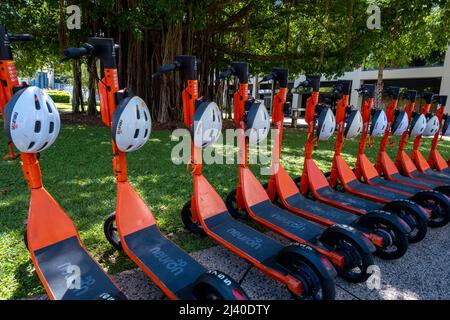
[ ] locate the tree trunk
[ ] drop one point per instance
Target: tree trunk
(379, 92)
(77, 93)
(92, 102)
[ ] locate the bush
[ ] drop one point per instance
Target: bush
(59, 96)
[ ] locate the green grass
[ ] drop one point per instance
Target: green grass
(68, 106)
(77, 172)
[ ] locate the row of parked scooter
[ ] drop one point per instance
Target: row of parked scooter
(336, 223)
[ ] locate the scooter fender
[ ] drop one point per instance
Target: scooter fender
(420, 196)
(377, 216)
(394, 205)
(308, 253)
(226, 286)
(341, 231)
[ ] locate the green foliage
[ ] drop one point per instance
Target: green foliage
(59, 96)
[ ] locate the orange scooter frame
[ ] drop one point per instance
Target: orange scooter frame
(207, 214)
(8, 75)
(435, 159)
(174, 271)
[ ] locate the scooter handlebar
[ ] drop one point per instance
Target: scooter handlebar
(166, 68)
(270, 76)
(75, 53)
(20, 37)
(225, 74)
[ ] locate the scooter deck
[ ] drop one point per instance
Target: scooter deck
(299, 202)
(246, 239)
(430, 178)
(365, 190)
(237, 237)
(397, 177)
(437, 175)
(294, 201)
(172, 269)
(62, 263)
(393, 185)
(261, 209)
(329, 195)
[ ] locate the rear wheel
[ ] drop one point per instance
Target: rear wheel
(231, 203)
(395, 242)
(188, 221)
(357, 260)
(438, 204)
(416, 222)
(110, 231)
(314, 285)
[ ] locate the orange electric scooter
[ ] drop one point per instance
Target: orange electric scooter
(390, 169)
(62, 263)
(347, 248)
(8, 75)
(437, 204)
(435, 159)
(416, 156)
(413, 214)
(406, 165)
(282, 189)
(132, 227)
(306, 273)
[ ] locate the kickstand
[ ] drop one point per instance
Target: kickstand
(250, 267)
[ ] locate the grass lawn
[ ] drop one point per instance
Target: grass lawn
(68, 106)
(77, 172)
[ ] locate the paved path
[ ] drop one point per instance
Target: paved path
(423, 273)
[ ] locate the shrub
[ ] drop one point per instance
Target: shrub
(59, 96)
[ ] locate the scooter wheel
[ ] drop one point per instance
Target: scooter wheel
(189, 223)
(231, 204)
(314, 285)
(417, 224)
(396, 241)
(110, 231)
(357, 260)
(439, 206)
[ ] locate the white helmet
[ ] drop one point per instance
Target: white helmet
(32, 120)
(326, 124)
(131, 124)
(432, 127)
(378, 124)
(207, 124)
(353, 124)
(446, 126)
(418, 125)
(258, 123)
(400, 124)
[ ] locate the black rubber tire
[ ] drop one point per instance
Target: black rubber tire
(110, 231)
(399, 239)
(186, 217)
(302, 269)
(232, 207)
(352, 252)
(418, 227)
(439, 208)
(205, 292)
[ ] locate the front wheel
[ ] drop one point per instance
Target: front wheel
(188, 221)
(231, 203)
(110, 231)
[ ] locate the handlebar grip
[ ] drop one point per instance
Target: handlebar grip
(75, 53)
(20, 37)
(225, 74)
(165, 68)
(270, 76)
